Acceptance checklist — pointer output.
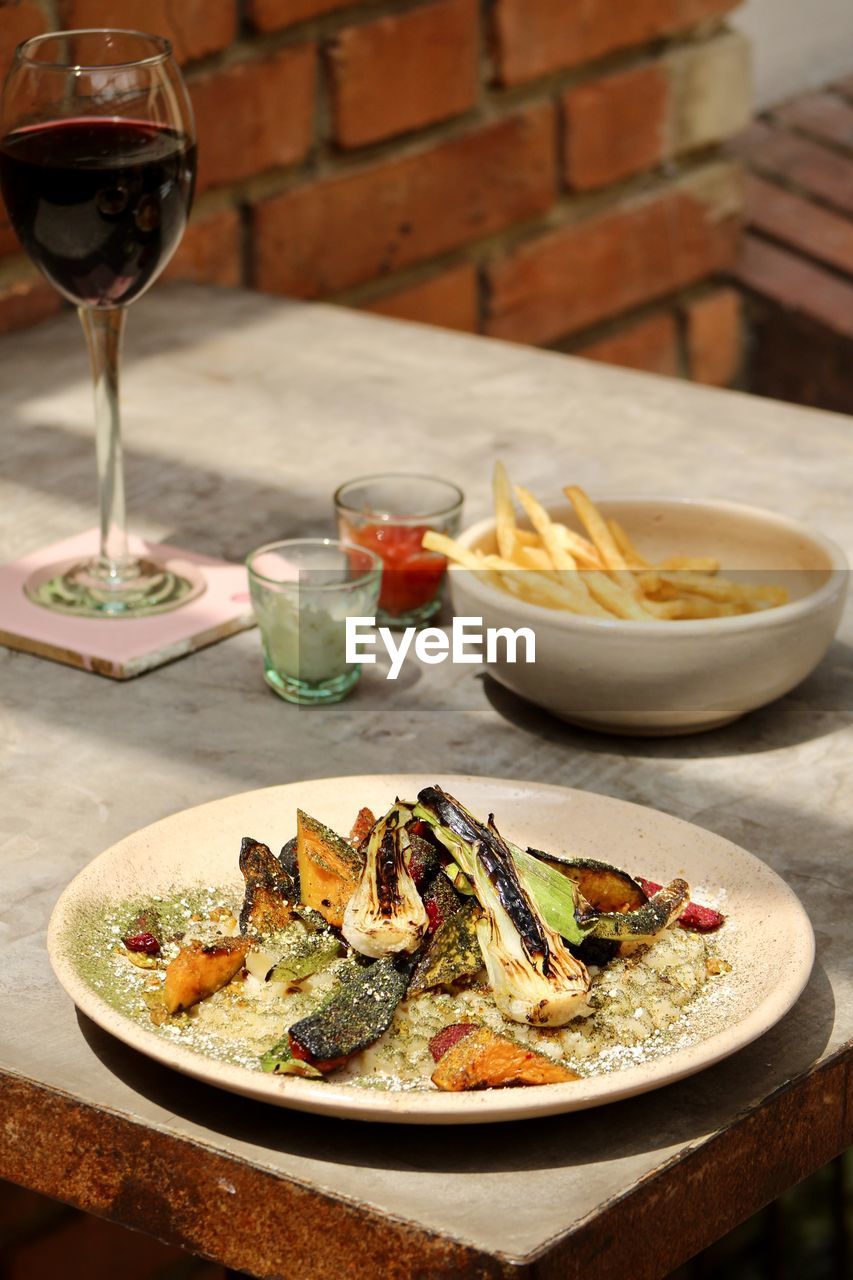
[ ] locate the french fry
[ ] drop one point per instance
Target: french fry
(445, 546)
(564, 590)
(629, 552)
(505, 530)
(541, 521)
(689, 583)
(685, 608)
(554, 567)
(595, 525)
(699, 564)
(578, 548)
(532, 558)
(614, 561)
(613, 597)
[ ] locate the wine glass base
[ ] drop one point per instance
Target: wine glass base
(82, 590)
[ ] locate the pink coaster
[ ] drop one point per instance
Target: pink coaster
(122, 647)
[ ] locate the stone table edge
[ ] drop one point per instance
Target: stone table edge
(720, 1174)
(720, 1181)
(248, 1229)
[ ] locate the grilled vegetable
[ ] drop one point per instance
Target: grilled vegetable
(385, 913)
(605, 887)
(441, 901)
(329, 868)
(307, 952)
(555, 895)
(481, 1059)
(280, 1061)
(533, 976)
(361, 828)
(649, 921)
(267, 904)
(452, 953)
(290, 866)
(198, 970)
(424, 862)
(694, 917)
(356, 1014)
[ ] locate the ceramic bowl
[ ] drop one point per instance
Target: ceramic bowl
(653, 678)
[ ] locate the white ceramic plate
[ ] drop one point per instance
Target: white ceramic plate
(767, 938)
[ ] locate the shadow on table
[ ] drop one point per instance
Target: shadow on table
(202, 509)
(821, 705)
(667, 1118)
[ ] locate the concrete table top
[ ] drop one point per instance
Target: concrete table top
(242, 414)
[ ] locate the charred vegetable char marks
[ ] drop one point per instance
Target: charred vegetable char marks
(269, 896)
(498, 865)
(355, 1015)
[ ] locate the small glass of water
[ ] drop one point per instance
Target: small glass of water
(303, 590)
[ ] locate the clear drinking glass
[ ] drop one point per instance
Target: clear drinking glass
(303, 590)
(389, 514)
(97, 169)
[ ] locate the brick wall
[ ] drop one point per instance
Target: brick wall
(544, 171)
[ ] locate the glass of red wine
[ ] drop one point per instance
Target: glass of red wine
(97, 168)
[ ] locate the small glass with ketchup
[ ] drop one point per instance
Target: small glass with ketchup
(389, 515)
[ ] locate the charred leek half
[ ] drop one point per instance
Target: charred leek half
(385, 914)
(534, 977)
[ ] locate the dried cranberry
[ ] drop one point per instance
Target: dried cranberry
(700, 919)
(144, 942)
(448, 1037)
(433, 914)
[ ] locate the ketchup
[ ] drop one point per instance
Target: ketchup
(411, 576)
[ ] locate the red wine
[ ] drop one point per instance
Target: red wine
(98, 204)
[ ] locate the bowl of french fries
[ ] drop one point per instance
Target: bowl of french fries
(651, 615)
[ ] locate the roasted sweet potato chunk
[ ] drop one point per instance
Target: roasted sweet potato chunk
(484, 1060)
(199, 969)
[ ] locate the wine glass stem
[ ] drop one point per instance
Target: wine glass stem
(104, 329)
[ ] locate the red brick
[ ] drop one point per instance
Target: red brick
(614, 127)
(328, 236)
(799, 162)
(715, 337)
(210, 252)
(824, 116)
(404, 71)
(195, 27)
(448, 300)
(90, 1247)
(800, 223)
(598, 268)
(535, 37)
(796, 285)
(270, 15)
(255, 116)
(24, 304)
(19, 23)
(650, 344)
